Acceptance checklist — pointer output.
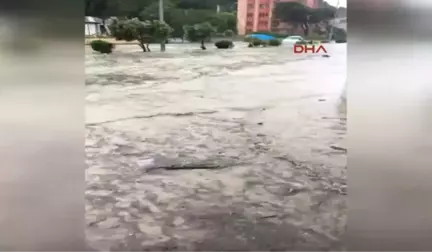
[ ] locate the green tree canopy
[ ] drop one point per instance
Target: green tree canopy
(129, 8)
(298, 13)
(199, 32)
(178, 18)
(142, 31)
(177, 13)
(291, 12)
(223, 21)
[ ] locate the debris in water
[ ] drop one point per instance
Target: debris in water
(338, 148)
(161, 162)
(148, 163)
(119, 141)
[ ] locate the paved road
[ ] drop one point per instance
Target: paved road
(215, 150)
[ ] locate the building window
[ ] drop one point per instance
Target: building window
(250, 15)
(263, 6)
(250, 6)
(249, 23)
(263, 23)
(263, 14)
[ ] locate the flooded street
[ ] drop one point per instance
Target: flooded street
(239, 149)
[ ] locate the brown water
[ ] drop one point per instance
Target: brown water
(266, 126)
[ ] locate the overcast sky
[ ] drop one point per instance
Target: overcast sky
(342, 3)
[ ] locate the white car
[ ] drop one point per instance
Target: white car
(291, 40)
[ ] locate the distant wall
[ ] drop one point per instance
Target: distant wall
(92, 29)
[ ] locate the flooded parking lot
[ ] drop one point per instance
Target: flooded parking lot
(239, 149)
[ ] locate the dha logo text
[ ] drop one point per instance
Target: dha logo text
(309, 49)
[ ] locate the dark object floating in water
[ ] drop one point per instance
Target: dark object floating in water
(260, 123)
(338, 148)
(321, 100)
(326, 56)
(161, 162)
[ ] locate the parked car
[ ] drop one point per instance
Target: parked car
(292, 40)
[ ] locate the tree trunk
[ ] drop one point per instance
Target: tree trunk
(305, 27)
(148, 48)
(143, 47)
(202, 45)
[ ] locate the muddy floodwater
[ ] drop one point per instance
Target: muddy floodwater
(240, 149)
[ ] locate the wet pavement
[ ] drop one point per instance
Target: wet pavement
(239, 149)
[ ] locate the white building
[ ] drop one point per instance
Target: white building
(94, 26)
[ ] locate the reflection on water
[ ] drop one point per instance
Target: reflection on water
(269, 121)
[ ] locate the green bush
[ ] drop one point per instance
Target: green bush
(224, 44)
(339, 35)
(275, 42)
(302, 42)
(315, 37)
(228, 33)
(102, 46)
(257, 42)
(248, 39)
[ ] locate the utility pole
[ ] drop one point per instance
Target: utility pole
(161, 18)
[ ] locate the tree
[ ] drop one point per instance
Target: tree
(177, 13)
(223, 21)
(228, 33)
(207, 4)
(142, 31)
(176, 17)
(124, 8)
(199, 32)
(293, 12)
(322, 14)
(160, 31)
(298, 13)
(131, 8)
(151, 12)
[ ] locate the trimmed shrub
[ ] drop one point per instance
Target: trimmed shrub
(102, 46)
(257, 42)
(224, 44)
(339, 35)
(248, 39)
(274, 42)
(302, 42)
